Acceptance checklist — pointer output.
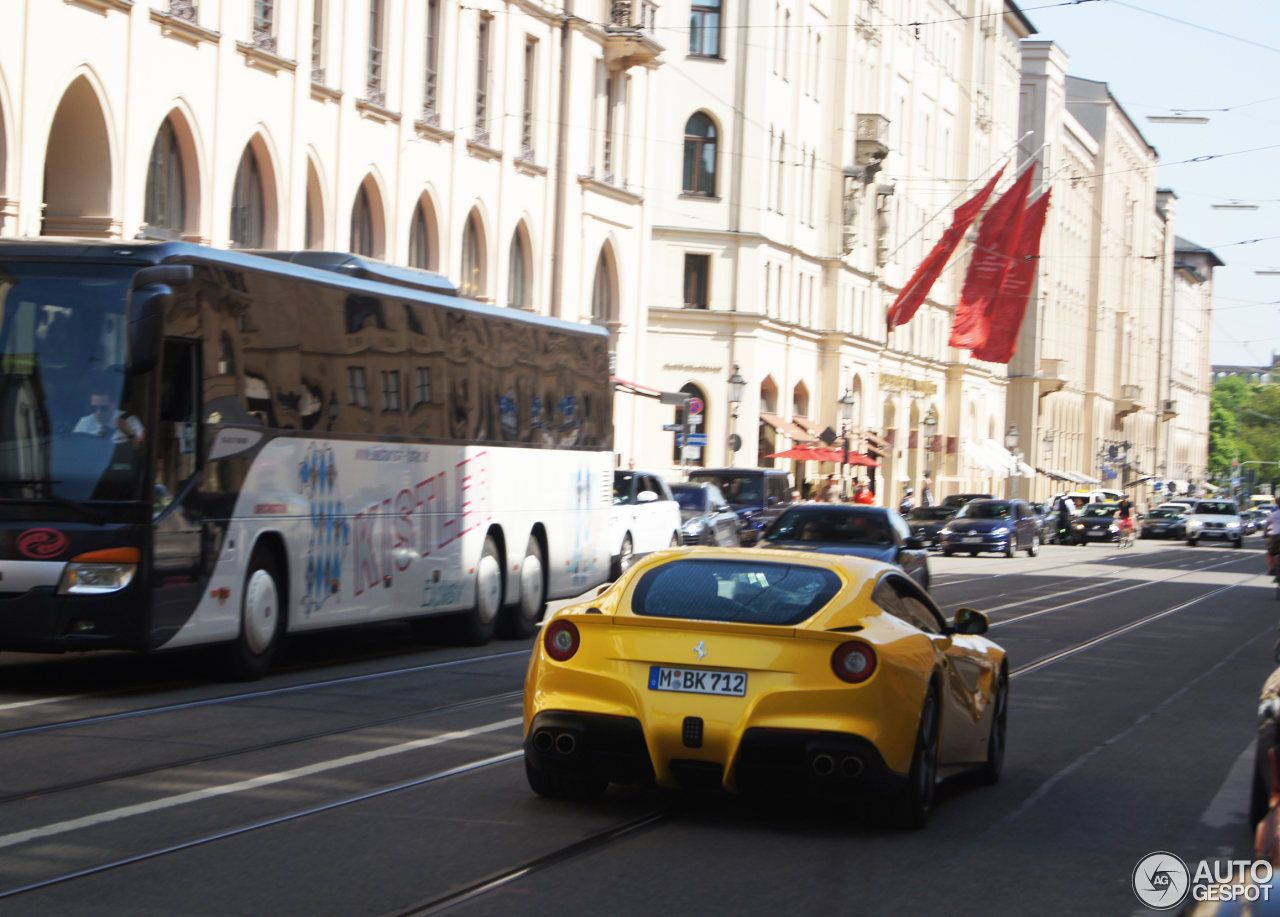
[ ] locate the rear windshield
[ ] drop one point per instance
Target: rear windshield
(737, 488)
(1100, 509)
(743, 591)
(1215, 509)
(689, 497)
(931, 513)
(1163, 514)
(985, 511)
(831, 526)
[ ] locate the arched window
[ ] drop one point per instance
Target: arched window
(472, 284)
(362, 224)
(602, 292)
(420, 240)
(166, 199)
(77, 168)
(247, 208)
(700, 156)
(517, 298)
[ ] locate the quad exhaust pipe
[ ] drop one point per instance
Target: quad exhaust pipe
(546, 741)
(824, 765)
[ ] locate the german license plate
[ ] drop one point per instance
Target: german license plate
(697, 681)
(1097, 533)
(973, 539)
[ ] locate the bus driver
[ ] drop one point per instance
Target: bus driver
(107, 417)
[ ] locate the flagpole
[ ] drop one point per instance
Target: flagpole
(970, 184)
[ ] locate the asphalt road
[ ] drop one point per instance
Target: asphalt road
(370, 775)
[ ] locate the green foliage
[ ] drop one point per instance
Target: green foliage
(1244, 425)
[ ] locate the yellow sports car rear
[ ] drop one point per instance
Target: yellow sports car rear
(763, 671)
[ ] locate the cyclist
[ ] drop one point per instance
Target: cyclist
(1125, 514)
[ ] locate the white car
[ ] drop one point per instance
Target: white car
(646, 518)
(1215, 519)
(1178, 507)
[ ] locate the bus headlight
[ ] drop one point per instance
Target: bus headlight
(98, 572)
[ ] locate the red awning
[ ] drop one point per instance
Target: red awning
(809, 454)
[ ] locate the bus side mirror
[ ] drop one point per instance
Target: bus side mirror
(149, 295)
(146, 326)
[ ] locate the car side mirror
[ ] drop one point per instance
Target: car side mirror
(149, 295)
(971, 622)
(914, 544)
(771, 501)
(646, 496)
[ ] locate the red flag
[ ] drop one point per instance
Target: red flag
(921, 282)
(992, 254)
(1008, 308)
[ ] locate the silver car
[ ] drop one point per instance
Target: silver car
(1219, 519)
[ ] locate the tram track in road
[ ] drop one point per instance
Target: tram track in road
(251, 695)
(43, 792)
(583, 846)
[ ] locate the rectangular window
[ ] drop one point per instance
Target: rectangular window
(264, 25)
(422, 388)
(375, 50)
(704, 28)
(357, 390)
(391, 391)
(317, 41)
(526, 130)
(430, 110)
(610, 99)
(482, 80)
(696, 269)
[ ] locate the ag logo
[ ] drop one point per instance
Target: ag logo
(41, 544)
(1160, 880)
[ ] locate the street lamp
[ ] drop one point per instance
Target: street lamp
(737, 385)
(930, 424)
(1048, 443)
(1011, 438)
(1011, 443)
(846, 419)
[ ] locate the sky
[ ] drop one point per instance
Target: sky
(1154, 66)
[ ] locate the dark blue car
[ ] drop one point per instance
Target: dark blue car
(1002, 526)
(873, 532)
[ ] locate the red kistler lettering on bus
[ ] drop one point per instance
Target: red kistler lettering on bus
(366, 562)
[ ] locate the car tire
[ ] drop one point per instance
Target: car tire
(909, 808)
(1034, 549)
(947, 552)
(1191, 542)
(1011, 550)
(625, 559)
(675, 540)
(1238, 543)
(973, 553)
(520, 621)
(476, 627)
(261, 618)
(556, 786)
(989, 773)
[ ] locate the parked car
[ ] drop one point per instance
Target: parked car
(1218, 519)
(1003, 526)
(1097, 522)
(955, 501)
(757, 495)
(1082, 498)
(873, 532)
(705, 516)
(1163, 522)
(1178, 507)
(1252, 520)
(927, 521)
(1047, 521)
(645, 518)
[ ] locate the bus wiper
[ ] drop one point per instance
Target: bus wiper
(96, 516)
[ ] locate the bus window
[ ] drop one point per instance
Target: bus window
(176, 446)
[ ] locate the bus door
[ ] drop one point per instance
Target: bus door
(183, 551)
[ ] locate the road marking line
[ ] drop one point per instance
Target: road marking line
(45, 700)
(1230, 805)
(240, 786)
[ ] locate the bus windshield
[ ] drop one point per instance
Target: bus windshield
(69, 427)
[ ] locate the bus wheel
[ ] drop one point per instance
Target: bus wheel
(476, 627)
(520, 621)
(261, 620)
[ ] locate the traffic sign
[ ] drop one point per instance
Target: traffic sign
(735, 442)
(695, 439)
(692, 453)
(672, 427)
(695, 406)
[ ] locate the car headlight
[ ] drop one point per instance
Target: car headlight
(1000, 530)
(1194, 523)
(1233, 525)
(693, 528)
(1080, 525)
(945, 531)
(1113, 528)
(95, 579)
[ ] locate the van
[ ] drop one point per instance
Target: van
(757, 495)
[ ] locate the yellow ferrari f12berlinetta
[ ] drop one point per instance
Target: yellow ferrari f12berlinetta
(763, 672)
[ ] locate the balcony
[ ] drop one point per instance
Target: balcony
(629, 40)
(1130, 400)
(1053, 376)
(871, 145)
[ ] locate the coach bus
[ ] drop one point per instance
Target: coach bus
(202, 447)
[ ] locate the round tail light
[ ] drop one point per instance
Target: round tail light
(561, 640)
(853, 662)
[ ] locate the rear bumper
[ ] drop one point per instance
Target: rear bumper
(985, 542)
(767, 762)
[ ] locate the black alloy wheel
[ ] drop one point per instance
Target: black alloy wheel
(911, 807)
